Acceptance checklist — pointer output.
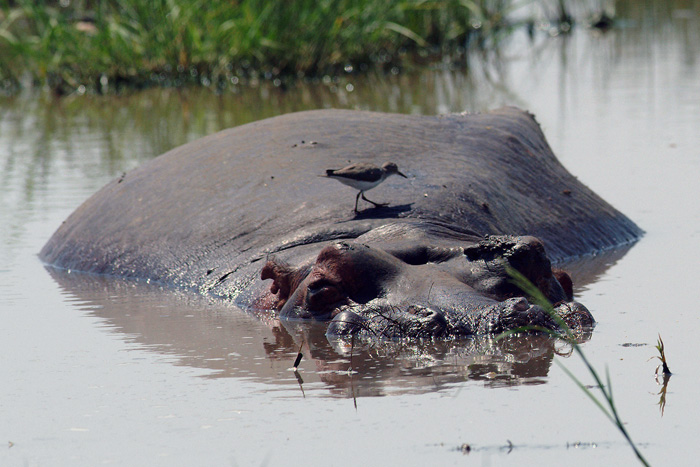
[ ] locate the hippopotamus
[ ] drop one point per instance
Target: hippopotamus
(246, 216)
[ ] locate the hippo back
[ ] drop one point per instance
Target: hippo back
(218, 205)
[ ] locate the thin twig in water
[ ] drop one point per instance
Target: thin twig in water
(299, 357)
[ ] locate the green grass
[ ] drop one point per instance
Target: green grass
(102, 44)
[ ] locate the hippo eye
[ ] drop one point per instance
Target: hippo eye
(320, 286)
(322, 292)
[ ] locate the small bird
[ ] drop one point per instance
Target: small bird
(363, 176)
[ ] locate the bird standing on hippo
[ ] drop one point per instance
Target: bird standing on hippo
(363, 177)
(241, 215)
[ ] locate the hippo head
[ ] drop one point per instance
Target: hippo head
(424, 290)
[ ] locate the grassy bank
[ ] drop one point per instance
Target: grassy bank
(65, 44)
(92, 45)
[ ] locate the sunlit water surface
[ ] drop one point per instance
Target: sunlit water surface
(97, 371)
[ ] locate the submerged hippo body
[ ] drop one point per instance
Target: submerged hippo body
(243, 215)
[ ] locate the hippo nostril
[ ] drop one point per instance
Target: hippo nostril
(520, 304)
(436, 324)
(428, 322)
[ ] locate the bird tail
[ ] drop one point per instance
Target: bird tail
(329, 172)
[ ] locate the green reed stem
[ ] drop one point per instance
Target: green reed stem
(607, 405)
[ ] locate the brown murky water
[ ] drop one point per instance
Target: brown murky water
(101, 371)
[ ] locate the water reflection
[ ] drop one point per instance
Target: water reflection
(190, 330)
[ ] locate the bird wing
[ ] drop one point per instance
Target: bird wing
(361, 172)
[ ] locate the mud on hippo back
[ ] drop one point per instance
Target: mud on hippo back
(243, 215)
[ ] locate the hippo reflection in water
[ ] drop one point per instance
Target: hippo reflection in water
(242, 215)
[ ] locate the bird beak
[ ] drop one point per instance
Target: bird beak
(399, 173)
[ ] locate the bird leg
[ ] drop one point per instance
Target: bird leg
(376, 205)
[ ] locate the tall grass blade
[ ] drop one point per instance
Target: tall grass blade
(607, 405)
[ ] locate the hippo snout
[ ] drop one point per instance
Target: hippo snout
(518, 313)
(346, 323)
(575, 315)
(391, 322)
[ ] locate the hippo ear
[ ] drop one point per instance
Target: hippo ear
(281, 275)
(566, 283)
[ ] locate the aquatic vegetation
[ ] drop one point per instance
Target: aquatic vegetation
(70, 46)
(65, 45)
(662, 357)
(665, 375)
(79, 45)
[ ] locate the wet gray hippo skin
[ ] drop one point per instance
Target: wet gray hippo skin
(243, 215)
